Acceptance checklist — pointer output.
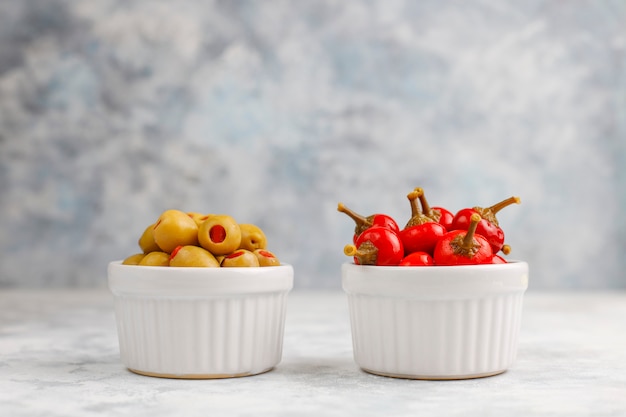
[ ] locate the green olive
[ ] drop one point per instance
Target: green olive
(193, 256)
(219, 234)
(252, 237)
(198, 217)
(133, 259)
(239, 258)
(146, 241)
(266, 258)
(155, 259)
(175, 228)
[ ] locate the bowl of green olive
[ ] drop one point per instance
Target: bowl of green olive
(204, 298)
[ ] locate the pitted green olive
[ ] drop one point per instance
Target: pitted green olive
(194, 239)
(155, 259)
(266, 258)
(193, 256)
(146, 241)
(240, 258)
(219, 234)
(252, 237)
(175, 228)
(133, 259)
(198, 217)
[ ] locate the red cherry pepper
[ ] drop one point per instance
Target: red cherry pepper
(439, 214)
(445, 217)
(460, 247)
(497, 259)
(488, 226)
(422, 238)
(377, 245)
(422, 232)
(417, 259)
(363, 223)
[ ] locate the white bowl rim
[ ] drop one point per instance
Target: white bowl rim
(197, 281)
(435, 281)
(509, 264)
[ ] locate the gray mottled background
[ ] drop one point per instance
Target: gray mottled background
(273, 112)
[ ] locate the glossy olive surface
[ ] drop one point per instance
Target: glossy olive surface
(240, 258)
(266, 258)
(133, 259)
(146, 241)
(195, 239)
(193, 256)
(155, 259)
(252, 237)
(220, 234)
(175, 228)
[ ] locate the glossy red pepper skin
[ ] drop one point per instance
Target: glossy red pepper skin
(446, 217)
(377, 245)
(384, 220)
(488, 226)
(494, 234)
(444, 252)
(421, 238)
(463, 247)
(497, 259)
(417, 259)
(422, 231)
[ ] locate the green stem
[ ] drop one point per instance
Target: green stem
(468, 240)
(502, 204)
(361, 221)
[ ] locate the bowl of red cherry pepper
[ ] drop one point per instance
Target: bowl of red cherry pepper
(436, 299)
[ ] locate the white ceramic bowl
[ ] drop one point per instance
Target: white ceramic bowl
(439, 322)
(200, 322)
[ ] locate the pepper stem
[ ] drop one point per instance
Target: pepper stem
(361, 221)
(502, 204)
(489, 213)
(366, 253)
(349, 250)
(426, 207)
(468, 240)
(413, 196)
(417, 217)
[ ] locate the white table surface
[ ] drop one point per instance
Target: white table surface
(59, 357)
